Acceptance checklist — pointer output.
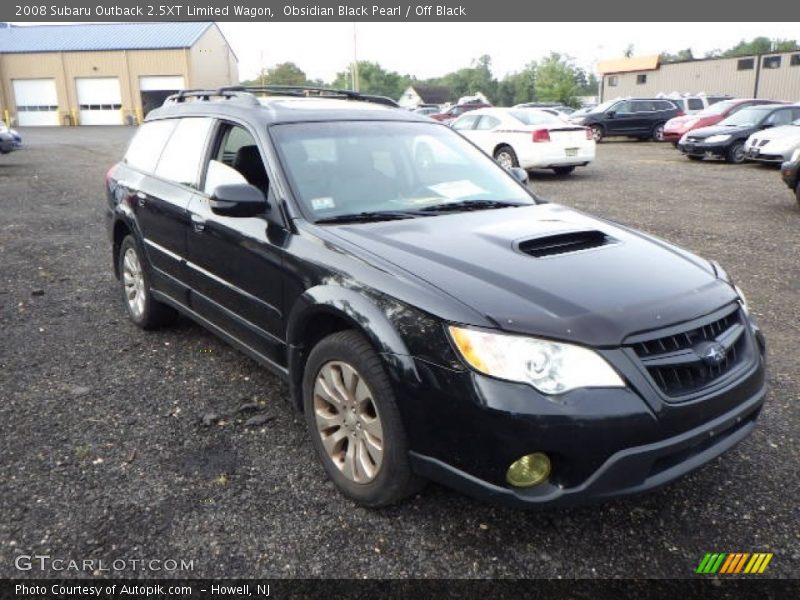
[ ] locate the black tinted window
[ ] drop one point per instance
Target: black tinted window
(180, 161)
(695, 104)
(643, 106)
(237, 160)
(666, 105)
(148, 143)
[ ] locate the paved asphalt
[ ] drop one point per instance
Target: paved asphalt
(103, 453)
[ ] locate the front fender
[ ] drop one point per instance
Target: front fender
(376, 316)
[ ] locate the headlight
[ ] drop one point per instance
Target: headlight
(723, 274)
(578, 120)
(550, 367)
(716, 139)
(795, 156)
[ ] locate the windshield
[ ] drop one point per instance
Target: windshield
(531, 116)
(716, 109)
(746, 117)
(348, 168)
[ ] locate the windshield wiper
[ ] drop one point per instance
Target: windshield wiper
(367, 216)
(470, 205)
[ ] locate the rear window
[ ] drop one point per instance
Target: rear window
(148, 144)
(695, 104)
(180, 160)
(533, 116)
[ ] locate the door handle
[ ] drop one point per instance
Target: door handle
(198, 223)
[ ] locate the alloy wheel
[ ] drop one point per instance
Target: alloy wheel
(504, 159)
(133, 279)
(348, 422)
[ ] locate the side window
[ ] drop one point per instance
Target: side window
(180, 160)
(488, 122)
(780, 117)
(643, 106)
(467, 122)
(148, 144)
(236, 160)
(695, 104)
(623, 107)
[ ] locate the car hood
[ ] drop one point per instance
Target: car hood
(704, 132)
(595, 295)
(784, 133)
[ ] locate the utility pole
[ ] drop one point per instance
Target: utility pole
(354, 71)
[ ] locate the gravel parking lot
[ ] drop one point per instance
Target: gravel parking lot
(104, 455)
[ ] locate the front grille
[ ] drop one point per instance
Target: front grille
(687, 361)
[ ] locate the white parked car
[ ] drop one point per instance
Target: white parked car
(529, 138)
(774, 145)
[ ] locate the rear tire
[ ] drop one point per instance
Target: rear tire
(658, 133)
(143, 309)
(506, 157)
(354, 422)
(735, 154)
(563, 170)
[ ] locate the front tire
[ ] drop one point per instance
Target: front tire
(354, 422)
(598, 133)
(736, 154)
(143, 309)
(506, 157)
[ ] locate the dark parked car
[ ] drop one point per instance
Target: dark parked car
(432, 317)
(7, 143)
(790, 171)
(676, 128)
(642, 118)
(727, 138)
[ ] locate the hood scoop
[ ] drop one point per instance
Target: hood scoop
(564, 243)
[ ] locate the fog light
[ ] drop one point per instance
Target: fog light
(529, 470)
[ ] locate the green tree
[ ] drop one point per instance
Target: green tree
(470, 80)
(681, 55)
(286, 73)
(516, 88)
(628, 52)
(758, 45)
(373, 79)
(555, 80)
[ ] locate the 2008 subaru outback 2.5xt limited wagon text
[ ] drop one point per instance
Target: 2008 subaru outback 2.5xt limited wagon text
(433, 318)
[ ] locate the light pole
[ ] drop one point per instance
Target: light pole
(354, 71)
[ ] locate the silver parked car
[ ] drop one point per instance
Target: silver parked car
(774, 145)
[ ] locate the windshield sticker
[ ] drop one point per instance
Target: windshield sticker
(324, 203)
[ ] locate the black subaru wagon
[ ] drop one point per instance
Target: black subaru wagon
(434, 319)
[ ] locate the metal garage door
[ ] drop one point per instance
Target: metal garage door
(99, 101)
(37, 102)
(154, 89)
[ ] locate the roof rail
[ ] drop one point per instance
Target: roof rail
(248, 93)
(207, 95)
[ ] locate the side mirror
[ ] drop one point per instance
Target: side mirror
(610, 114)
(519, 174)
(238, 200)
(768, 125)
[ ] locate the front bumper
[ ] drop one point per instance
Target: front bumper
(759, 155)
(603, 443)
(703, 149)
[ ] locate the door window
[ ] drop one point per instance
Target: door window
(236, 160)
(181, 158)
(780, 117)
(641, 106)
(623, 107)
(487, 122)
(466, 122)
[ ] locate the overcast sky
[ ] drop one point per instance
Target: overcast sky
(432, 49)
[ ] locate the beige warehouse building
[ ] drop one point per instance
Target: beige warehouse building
(106, 73)
(774, 76)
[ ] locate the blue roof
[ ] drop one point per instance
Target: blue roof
(100, 36)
